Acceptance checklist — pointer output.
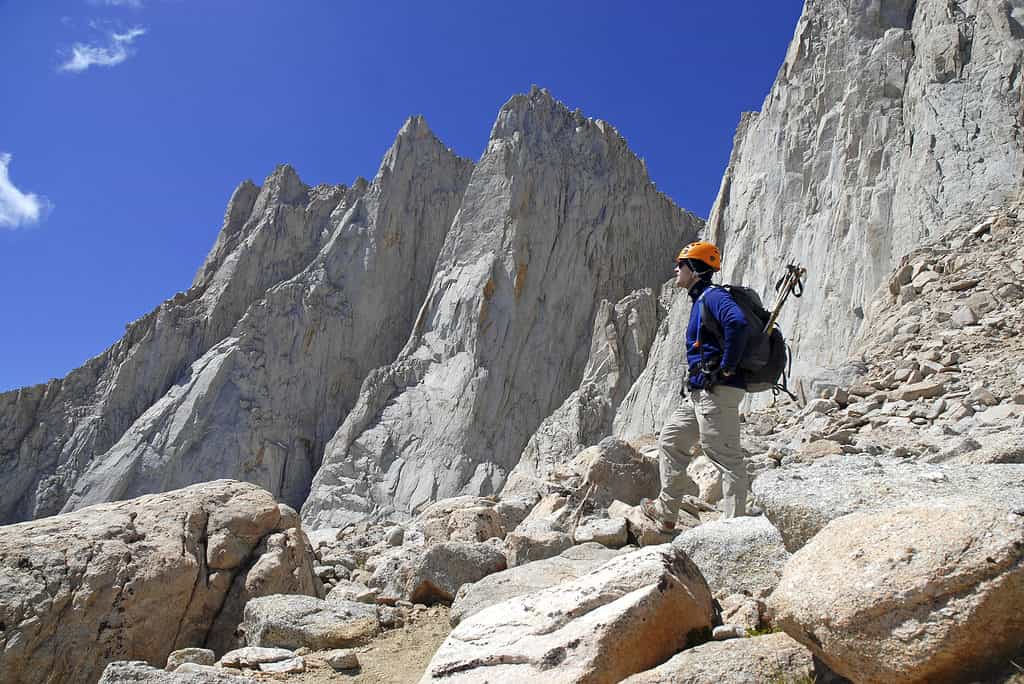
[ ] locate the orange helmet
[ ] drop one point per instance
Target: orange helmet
(704, 252)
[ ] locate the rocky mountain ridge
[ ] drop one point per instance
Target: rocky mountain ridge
(309, 292)
(50, 432)
(261, 404)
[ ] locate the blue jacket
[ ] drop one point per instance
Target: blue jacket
(710, 353)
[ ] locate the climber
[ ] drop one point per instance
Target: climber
(713, 387)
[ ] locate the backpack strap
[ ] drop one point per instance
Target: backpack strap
(706, 320)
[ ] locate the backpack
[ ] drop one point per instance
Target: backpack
(766, 358)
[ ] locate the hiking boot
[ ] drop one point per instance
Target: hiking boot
(650, 510)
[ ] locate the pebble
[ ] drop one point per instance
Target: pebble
(395, 536)
(342, 659)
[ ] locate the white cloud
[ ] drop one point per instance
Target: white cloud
(117, 49)
(18, 209)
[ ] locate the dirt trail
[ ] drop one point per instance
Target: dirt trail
(398, 656)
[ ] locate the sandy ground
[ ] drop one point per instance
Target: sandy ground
(398, 656)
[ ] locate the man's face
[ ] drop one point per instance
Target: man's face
(685, 278)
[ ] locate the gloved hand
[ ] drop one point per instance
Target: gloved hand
(704, 379)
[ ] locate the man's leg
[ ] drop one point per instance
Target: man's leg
(719, 418)
(678, 437)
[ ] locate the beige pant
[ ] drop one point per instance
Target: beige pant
(713, 418)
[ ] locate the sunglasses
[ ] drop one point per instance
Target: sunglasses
(681, 263)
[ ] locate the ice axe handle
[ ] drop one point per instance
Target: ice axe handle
(791, 283)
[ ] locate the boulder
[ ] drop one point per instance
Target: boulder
(625, 617)
(705, 474)
(963, 317)
(996, 447)
(513, 510)
(736, 555)
(610, 532)
(1000, 447)
(1000, 414)
(202, 672)
(926, 389)
(615, 470)
(553, 510)
(819, 448)
(197, 656)
(436, 523)
(535, 540)
(289, 666)
(134, 579)
(140, 672)
(800, 501)
(392, 573)
(526, 579)
(743, 610)
(296, 621)
(568, 565)
(253, 656)
(768, 658)
(475, 524)
(444, 568)
(918, 593)
(284, 565)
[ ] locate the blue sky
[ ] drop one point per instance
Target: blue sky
(126, 124)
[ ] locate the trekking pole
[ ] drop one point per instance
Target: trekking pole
(790, 283)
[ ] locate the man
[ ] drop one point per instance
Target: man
(714, 386)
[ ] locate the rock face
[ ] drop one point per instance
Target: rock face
(619, 344)
(801, 501)
(656, 393)
(625, 617)
(887, 121)
(260, 405)
(129, 580)
(558, 216)
(49, 433)
(921, 593)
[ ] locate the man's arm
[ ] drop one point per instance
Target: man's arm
(735, 329)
